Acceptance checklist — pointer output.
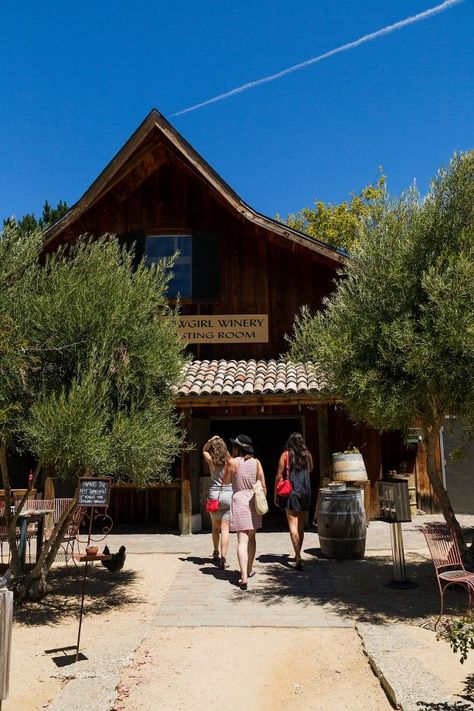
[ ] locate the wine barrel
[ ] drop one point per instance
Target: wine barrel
(348, 467)
(341, 524)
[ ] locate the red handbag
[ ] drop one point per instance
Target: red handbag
(284, 486)
(213, 504)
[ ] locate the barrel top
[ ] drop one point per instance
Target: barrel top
(341, 492)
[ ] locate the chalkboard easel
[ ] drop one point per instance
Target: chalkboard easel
(94, 492)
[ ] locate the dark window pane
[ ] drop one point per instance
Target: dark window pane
(165, 246)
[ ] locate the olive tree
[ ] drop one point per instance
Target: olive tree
(395, 340)
(89, 358)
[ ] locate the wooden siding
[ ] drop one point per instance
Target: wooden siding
(260, 272)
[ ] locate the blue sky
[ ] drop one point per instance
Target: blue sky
(77, 79)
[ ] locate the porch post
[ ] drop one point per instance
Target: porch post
(323, 446)
(186, 528)
(323, 452)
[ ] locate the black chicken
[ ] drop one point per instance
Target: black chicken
(117, 561)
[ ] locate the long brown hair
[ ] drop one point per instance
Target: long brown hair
(219, 452)
(300, 456)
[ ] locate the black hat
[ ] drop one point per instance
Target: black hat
(243, 442)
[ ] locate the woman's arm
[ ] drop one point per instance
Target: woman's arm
(208, 444)
(280, 470)
(230, 470)
(261, 476)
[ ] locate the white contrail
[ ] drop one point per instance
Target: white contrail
(343, 48)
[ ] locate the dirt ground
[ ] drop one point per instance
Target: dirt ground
(118, 609)
(183, 668)
(253, 669)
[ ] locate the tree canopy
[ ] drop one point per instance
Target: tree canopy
(89, 356)
(338, 224)
(29, 222)
(396, 338)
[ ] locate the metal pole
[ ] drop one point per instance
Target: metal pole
(82, 609)
(399, 580)
(398, 553)
(84, 587)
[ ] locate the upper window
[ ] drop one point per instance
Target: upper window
(157, 247)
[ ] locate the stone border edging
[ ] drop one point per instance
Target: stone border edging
(386, 686)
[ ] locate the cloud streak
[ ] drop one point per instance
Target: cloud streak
(308, 62)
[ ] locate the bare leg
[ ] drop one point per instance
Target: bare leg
(224, 538)
(301, 519)
(216, 529)
(242, 554)
(294, 535)
(252, 546)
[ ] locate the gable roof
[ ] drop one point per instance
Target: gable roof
(157, 122)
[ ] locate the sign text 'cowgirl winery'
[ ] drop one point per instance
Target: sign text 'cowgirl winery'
(225, 328)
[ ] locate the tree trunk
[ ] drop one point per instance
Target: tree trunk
(431, 436)
(33, 585)
(51, 547)
(11, 529)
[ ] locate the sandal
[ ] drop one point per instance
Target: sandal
(215, 556)
(242, 586)
(223, 564)
(299, 565)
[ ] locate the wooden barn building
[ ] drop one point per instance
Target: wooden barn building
(241, 277)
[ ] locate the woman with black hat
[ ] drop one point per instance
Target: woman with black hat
(243, 516)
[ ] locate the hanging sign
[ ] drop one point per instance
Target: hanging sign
(94, 492)
(224, 328)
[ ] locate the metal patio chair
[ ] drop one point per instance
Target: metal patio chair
(449, 568)
(69, 541)
(4, 535)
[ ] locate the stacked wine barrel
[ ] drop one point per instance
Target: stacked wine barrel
(342, 524)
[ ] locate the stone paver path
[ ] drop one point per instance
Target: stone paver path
(202, 595)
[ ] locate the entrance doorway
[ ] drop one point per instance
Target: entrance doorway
(269, 435)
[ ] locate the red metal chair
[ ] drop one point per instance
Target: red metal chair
(449, 568)
(69, 540)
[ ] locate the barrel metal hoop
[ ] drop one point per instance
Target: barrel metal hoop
(341, 513)
(326, 538)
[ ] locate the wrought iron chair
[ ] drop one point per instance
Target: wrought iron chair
(4, 535)
(69, 540)
(449, 568)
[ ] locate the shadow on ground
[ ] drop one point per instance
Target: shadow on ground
(104, 591)
(357, 588)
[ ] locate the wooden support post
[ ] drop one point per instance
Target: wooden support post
(323, 446)
(323, 451)
(186, 527)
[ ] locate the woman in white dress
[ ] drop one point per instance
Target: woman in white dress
(220, 464)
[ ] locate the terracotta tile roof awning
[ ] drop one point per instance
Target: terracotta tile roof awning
(233, 378)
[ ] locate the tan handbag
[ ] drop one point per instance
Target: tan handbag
(261, 503)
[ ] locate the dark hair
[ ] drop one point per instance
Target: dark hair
(300, 457)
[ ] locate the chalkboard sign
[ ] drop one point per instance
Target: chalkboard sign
(94, 492)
